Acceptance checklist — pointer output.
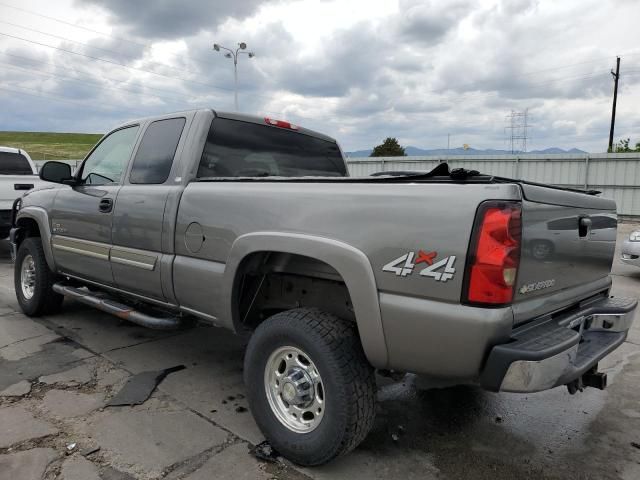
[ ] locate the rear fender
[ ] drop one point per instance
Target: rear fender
(352, 265)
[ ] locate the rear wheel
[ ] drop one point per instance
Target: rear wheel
(33, 280)
(310, 387)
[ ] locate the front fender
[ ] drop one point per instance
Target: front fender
(41, 217)
(352, 265)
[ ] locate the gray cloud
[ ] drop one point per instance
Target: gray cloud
(173, 18)
(427, 22)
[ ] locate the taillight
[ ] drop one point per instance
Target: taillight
(494, 254)
(280, 123)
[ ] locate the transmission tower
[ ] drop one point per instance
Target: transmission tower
(518, 130)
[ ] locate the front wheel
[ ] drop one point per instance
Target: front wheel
(310, 387)
(33, 280)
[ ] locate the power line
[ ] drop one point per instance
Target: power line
(65, 100)
(102, 77)
(468, 94)
(149, 45)
(31, 12)
(39, 94)
(82, 81)
(112, 62)
(88, 82)
(106, 50)
(34, 30)
(122, 39)
(36, 93)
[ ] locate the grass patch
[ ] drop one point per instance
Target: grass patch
(51, 146)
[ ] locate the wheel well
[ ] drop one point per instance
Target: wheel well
(29, 228)
(270, 282)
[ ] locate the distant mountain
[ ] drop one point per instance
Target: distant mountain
(558, 150)
(359, 153)
(412, 151)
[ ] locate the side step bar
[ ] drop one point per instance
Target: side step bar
(118, 309)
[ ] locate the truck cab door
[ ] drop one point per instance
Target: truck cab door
(142, 252)
(82, 214)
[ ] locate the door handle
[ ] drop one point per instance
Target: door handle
(584, 225)
(106, 205)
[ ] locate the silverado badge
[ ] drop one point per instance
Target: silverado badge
(535, 286)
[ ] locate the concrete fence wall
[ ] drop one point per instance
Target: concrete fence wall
(616, 175)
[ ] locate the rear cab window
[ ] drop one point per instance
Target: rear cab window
(14, 164)
(236, 148)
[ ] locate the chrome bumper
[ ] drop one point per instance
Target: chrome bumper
(556, 352)
(630, 253)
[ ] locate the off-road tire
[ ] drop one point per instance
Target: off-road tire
(44, 300)
(348, 380)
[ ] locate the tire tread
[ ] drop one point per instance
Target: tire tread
(350, 364)
(48, 301)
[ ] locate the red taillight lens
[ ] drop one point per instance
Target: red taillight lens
(494, 253)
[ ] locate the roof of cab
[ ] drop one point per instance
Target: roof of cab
(231, 116)
(261, 121)
(9, 149)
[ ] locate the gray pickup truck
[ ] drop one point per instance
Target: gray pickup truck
(254, 224)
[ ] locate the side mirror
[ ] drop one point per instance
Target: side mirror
(57, 172)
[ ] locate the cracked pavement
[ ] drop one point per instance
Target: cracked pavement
(57, 373)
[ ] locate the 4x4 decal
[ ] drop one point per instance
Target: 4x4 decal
(404, 265)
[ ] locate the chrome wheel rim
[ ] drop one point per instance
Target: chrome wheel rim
(294, 389)
(28, 277)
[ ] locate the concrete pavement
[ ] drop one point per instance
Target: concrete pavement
(57, 373)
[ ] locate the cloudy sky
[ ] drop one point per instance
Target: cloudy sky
(359, 70)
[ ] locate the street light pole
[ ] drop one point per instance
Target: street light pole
(234, 54)
(235, 82)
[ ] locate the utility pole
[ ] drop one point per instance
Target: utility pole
(448, 140)
(616, 77)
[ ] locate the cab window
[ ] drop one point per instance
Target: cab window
(108, 161)
(154, 157)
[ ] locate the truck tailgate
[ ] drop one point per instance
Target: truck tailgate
(568, 240)
(13, 186)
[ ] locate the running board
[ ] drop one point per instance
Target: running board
(118, 309)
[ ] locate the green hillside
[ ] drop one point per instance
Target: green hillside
(51, 146)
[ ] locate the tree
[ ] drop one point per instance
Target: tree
(389, 148)
(623, 146)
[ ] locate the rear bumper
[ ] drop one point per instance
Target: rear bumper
(557, 351)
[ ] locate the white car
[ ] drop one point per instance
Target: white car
(631, 249)
(18, 174)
